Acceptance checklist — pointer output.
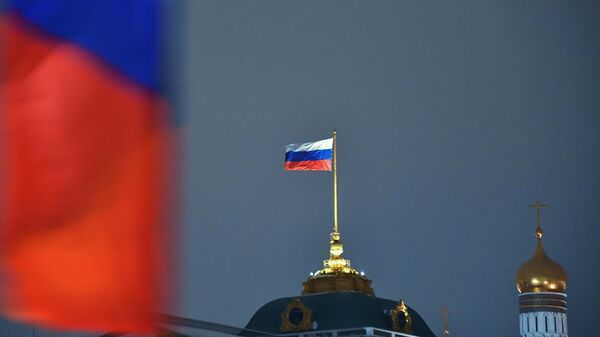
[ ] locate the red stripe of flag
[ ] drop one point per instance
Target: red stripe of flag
(308, 165)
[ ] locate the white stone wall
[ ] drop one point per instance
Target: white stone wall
(543, 324)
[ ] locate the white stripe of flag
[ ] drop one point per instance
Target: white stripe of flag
(325, 144)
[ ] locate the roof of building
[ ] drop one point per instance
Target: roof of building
(541, 273)
(337, 310)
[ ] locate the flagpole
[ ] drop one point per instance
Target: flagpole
(335, 208)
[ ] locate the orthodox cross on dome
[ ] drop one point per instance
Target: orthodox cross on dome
(446, 312)
(538, 217)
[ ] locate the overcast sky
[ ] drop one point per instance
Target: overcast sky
(452, 117)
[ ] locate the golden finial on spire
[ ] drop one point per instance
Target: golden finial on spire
(445, 312)
(538, 218)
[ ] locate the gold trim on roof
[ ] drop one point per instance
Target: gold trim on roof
(400, 315)
(287, 325)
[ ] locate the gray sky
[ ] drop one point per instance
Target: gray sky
(452, 117)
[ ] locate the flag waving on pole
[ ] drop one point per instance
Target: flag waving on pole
(313, 156)
(317, 156)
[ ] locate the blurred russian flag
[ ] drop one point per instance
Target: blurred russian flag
(86, 151)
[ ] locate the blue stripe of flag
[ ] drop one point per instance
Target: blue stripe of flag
(308, 155)
(123, 33)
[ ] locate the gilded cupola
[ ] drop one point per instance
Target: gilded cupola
(540, 273)
(337, 273)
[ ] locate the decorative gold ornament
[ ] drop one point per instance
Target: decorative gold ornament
(540, 273)
(331, 283)
(336, 263)
(401, 320)
(296, 317)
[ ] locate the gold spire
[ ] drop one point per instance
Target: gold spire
(335, 244)
(445, 313)
(337, 273)
(335, 212)
(540, 273)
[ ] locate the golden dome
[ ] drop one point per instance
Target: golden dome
(540, 273)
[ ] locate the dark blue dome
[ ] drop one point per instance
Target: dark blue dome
(338, 310)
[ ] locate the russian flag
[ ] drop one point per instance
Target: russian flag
(84, 160)
(314, 156)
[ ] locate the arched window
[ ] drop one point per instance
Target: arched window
(536, 325)
(555, 328)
